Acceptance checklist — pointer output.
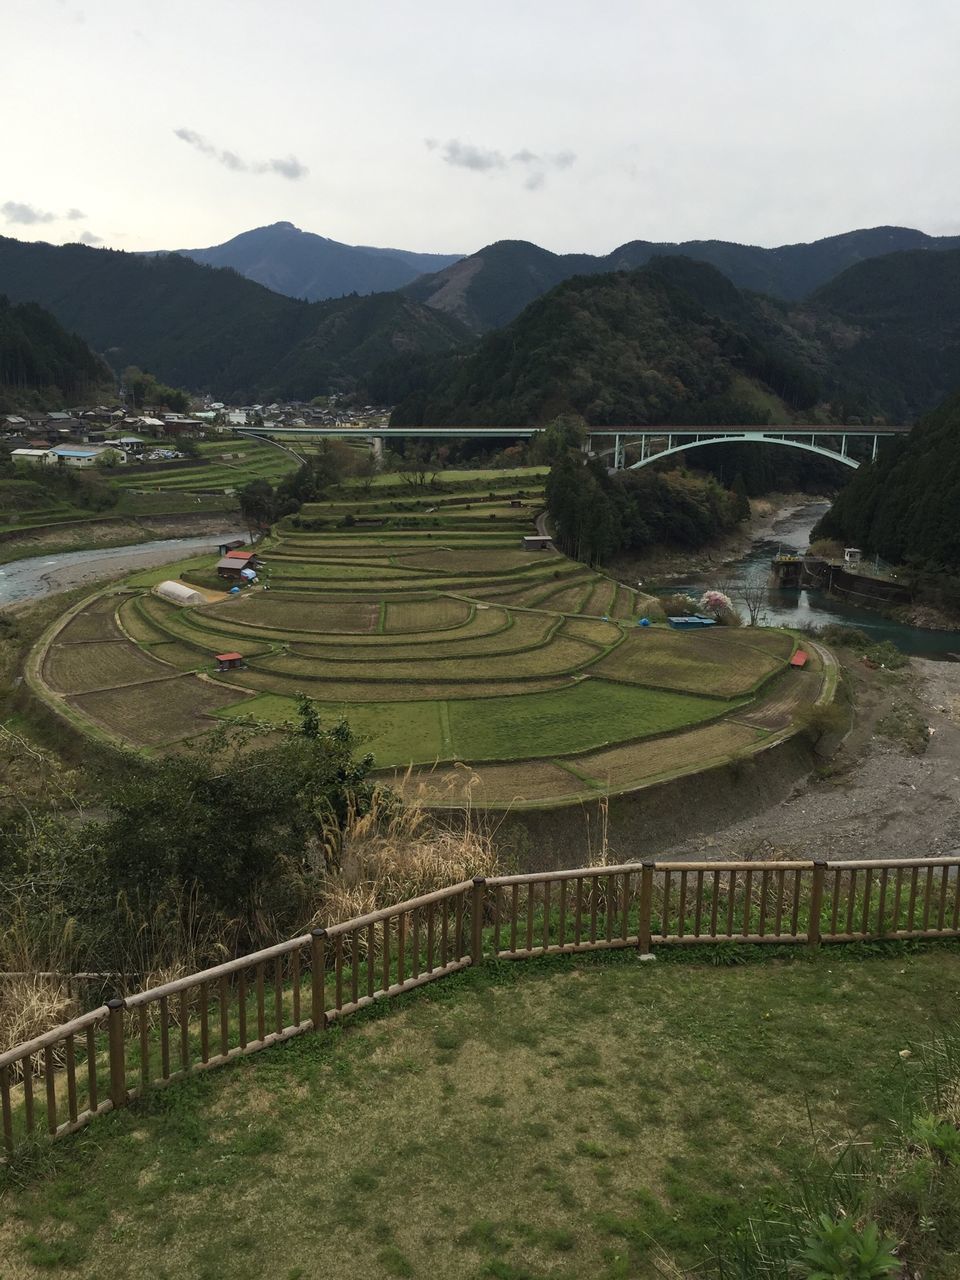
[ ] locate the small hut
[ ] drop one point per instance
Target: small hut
(229, 661)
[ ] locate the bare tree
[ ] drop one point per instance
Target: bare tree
(753, 591)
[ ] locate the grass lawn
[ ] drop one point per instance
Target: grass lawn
(562, 1119)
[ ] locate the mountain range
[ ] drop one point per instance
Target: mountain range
(676, 341)
(303, 265)
(211, 330)
(490, 288)
(882, 337)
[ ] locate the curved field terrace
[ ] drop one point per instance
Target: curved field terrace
(473, 667)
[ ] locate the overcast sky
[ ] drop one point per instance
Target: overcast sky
(446, 124)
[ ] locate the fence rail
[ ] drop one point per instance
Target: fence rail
(56, 1083)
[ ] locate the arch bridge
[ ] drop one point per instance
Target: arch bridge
(655, 442)
(662, 442)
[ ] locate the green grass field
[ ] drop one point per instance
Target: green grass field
(544, 1119)
(447, 643)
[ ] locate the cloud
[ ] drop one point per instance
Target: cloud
(25, 215)
(465, 155)
(87, 237)
(290, 167)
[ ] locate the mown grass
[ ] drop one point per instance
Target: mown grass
(591, 1117)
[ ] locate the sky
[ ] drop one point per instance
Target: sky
(439, 126)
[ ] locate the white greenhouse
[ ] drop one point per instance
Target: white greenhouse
(178, 592)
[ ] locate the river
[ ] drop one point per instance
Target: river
(790, 532)
(43, 575)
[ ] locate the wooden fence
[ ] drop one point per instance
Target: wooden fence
(102, 1060)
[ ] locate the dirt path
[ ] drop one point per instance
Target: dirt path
(883, 795)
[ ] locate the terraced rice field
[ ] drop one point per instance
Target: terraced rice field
(519, 676)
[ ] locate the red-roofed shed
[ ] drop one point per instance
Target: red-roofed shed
(799, 659)
(228, 661)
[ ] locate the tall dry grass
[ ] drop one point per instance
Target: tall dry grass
(395, 852)
(36, 957)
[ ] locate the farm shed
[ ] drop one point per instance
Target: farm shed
(178, 592)
(534, 542)
(228, 661)
(233, 545)
(233, 563)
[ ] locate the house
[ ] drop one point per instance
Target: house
(233, 564)
(71, 455)
(31, 456)
(131, 444)
(13, 422)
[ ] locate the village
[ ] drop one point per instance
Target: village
(109, 436)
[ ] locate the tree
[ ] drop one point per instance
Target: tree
(257, 504)
(366, 470)
(741, 503)
(753, 590)
(226, 817)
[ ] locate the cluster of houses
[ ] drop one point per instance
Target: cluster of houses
(83, 437)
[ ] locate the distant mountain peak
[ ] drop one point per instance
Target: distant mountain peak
(301, 264)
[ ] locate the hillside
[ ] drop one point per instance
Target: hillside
(212, 330)
(303, 265)
(41, 364)
(491, 287)
(664, 344)
(904, 507)
(898, 337)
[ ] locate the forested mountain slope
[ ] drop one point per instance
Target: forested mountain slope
(896, 325)
(492, 286)
(41, 364)
(672, 343)
(906, 505)
(212, 330)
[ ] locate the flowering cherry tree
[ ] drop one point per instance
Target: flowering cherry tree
(717, 603)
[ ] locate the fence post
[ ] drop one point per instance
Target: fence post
(646, 907)
(476, 919)
(318, 962)
(118, 1059)
(816, 901)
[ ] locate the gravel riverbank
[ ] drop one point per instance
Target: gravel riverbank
(880, 796)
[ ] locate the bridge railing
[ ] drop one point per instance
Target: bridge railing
(59, 1082)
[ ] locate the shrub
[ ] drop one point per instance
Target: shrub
(838, 1250)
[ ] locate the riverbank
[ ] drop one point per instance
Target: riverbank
(659, 564)
(892, 789)
(24, 581)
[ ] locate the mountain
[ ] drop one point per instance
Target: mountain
(210, 329)
(491, 287)
(896, 323)
(303, 265)
(672, 342)
(42, 365)
(904, 506)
